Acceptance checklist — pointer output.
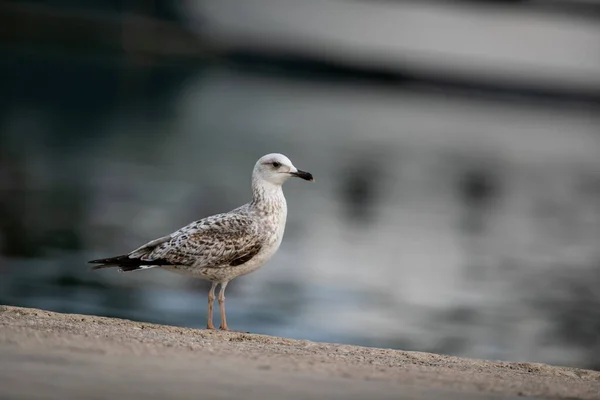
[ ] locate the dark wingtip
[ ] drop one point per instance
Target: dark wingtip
(107, 262)
(99, 261)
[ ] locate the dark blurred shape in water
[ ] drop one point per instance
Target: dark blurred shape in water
(478, 187)
(360, 179)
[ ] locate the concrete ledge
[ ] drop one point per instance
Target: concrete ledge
(50, 355)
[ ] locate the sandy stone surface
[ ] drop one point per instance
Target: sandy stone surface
(46, 355)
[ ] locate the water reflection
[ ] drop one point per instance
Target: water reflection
(417, 233)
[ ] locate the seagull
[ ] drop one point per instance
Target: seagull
(221, 247)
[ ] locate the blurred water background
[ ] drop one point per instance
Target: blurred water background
(455, 147)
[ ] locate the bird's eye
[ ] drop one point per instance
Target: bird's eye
(276, 164)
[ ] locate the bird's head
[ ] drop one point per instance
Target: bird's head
(276, 168)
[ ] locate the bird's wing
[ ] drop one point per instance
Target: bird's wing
(216, 241)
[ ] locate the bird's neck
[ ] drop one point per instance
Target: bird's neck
(267, 197)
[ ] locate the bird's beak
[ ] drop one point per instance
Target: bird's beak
(307, 176)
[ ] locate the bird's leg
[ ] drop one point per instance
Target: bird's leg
(211, 299)
(223, 326)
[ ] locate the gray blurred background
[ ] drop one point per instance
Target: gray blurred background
(455, 146)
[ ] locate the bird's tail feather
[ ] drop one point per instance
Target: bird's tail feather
(125, 263)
